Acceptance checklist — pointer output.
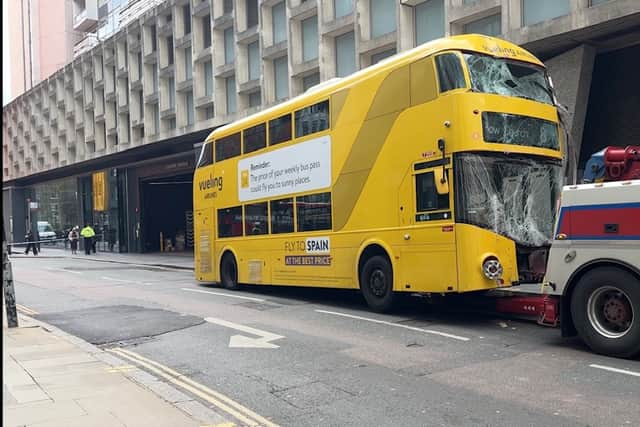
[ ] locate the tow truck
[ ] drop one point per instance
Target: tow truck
(591, 286)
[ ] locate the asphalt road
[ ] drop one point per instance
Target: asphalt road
(305, 357)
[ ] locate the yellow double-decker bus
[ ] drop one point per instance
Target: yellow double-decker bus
(434, 171)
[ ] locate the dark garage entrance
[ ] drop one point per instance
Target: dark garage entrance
(167, 213)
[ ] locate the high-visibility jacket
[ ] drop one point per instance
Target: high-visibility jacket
(87, 232)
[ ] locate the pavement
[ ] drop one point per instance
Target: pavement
(51, 378)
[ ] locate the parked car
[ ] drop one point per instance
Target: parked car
(45, 231)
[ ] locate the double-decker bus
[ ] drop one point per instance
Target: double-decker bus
(434, 171)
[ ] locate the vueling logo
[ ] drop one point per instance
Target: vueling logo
(214, 182)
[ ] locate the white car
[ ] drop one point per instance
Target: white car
(45, 231)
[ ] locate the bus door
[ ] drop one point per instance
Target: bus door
(428, 255)
(204, 236)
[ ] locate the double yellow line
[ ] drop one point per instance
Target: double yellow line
(220, 401)
(26, 310)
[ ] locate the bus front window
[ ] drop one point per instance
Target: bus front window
(508, 77)
(513, 195)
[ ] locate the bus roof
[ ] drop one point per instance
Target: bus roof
(470, 42)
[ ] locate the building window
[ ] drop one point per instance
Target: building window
(156, 119)
(154, 73)
(230, 222)
(229, 52)
(310, 81)
(342, 7)
(252, 13)
(188, 64)
(230, 86)
(253, 54)
(154, 41)
(597, 2)
(375, 58)
(490, 26)
(314, 212)
(312, 119)
(255, 99)
(256, 219)
(172, 93)
(310, 38)
(282, 216)
(186, 16)
(383, 17)
(206, 31)
(228, 147)
(172, 124)
(429, 20)
(254, 138)
(208, 78)
(542, 10)
(279, 23)
(281, 77)
(280, 129)
(208, 112)
(345, 54)
(227, 6)
(190, 112)
(169, 50)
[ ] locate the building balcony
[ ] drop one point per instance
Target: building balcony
(203, 55)
(275, 50)
(151, 99)
(168, 113)
(136, 84)
(86, 19)
(204, 101)
(151, 58)
(99, 118)
(223, 21)
(249, 35)
(184, 85)
(183, 42)
(203, 8)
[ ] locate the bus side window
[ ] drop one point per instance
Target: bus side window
(228, 147)
(254, 138)
(450, 75)
(312, 119)
(206, 155)
(427, 197)
(255, 219)
(230, 222)
(314, 212)
(280, 129)
(282, 216)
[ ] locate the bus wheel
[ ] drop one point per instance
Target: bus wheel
(605, 308)
(376, 283)
(229, 271)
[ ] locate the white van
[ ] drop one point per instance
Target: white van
(45, 231)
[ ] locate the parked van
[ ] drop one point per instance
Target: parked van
(45, 231)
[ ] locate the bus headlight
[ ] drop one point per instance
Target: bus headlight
(492, 268)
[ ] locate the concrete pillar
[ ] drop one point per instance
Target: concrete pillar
(571, 73)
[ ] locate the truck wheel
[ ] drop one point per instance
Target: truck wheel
(376, 283)
(229, 271)
(605, 307)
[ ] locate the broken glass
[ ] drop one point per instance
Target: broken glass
(512, 195)
(508, 78)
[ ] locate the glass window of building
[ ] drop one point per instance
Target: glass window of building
(186, 17)
(188, 64)
(310, 38)
(279, 22)
(429, 20)
(490, 26)
(172, 92)
(375, 58)
(208, 78)
(345, 54)
(383, 17)
(534, 11)
(208, 112)
(342, 7)
(190, 112)
(170, 50)
(227, 6)
(230, 87)
(468, 1)
(206, 31)
(310, 81)
(252, 13)
(255, 99)
(229, 53)
(154, 41)
(281, 77)
(597, 2)
(256, 219)
(253, 54)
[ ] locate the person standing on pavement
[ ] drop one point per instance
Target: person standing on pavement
(73, 240)
(87, 233)
(31, 245)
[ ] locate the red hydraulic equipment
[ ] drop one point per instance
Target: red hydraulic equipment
(622, 163)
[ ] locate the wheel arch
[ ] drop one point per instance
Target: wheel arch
(371, 248)
(566, 322)
(225, 250)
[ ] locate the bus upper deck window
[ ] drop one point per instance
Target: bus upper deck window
(280, 129)
(254, 138)
(228, 147)
(312, 119)
(206, 155)
(450, 75)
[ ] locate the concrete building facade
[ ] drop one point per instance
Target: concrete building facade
(129, 111)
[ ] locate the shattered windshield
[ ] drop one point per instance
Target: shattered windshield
(514, 196)
(507, 77)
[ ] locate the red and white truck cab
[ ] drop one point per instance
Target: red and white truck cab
(593, 268)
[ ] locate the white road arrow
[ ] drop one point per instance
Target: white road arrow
(240, 341)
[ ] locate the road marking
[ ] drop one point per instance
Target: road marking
(65, 270)
(121, 368)
(620, 371)
(26, 310)
(240, 341)
(218, 399)
(119, 280)
(411, 328)
(222, 294)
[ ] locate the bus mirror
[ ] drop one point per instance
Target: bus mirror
(442, 183)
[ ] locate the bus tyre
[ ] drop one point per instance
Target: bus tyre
(605, 308)
(376, 283)
(229, 271)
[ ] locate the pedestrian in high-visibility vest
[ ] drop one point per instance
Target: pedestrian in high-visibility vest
(87, 233)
